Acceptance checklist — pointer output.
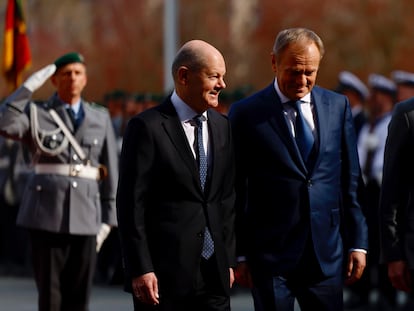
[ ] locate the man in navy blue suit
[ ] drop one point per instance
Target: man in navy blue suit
(300, 230)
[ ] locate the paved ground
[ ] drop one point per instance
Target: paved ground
(19, 294)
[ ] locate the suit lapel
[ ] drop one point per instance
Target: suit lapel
(279, 123)
(215, 138)
(322, 109)
(175, 133)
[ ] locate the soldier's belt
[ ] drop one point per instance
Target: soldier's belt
(77, 170)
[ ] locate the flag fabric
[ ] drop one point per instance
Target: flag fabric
(16, 49)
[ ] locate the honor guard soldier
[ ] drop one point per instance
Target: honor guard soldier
(404, 81)
(68, 206)
(357, 92)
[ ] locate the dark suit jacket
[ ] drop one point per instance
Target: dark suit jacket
(162, 211)
(397, 191)
(280, 203)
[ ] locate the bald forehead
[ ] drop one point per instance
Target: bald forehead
(194, 54)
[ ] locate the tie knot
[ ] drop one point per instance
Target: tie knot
(295, 103)
(198, 119)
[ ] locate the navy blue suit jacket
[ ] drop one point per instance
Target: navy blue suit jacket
(281, 202)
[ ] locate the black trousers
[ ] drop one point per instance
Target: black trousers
(208, 294)
(63, 267)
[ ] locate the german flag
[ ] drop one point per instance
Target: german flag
(16, 53)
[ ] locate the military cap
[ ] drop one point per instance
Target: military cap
(349, 81)
(403, 77)
(69, 58)
(381, 83)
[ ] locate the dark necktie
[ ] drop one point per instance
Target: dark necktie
(201, 154)
(303, 133)
(73, 117)
(208, 247)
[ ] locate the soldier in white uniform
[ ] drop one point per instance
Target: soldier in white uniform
(68, 206)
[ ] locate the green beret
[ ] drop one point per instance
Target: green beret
(69, 58)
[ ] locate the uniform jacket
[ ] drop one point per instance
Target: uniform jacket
(397, 191)
(280, 202)
(162, 210)
(57, 203)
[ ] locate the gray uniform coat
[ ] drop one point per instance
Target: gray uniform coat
(57, 203)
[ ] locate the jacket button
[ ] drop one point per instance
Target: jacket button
(74, 184)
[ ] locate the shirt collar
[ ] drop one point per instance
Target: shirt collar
(75, 107)
(284, 99)
(184, 112)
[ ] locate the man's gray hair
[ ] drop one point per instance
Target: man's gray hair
(292, 35)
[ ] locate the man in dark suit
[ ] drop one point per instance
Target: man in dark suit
(396, 200)
(68, 207)
(297, 169)
(174, 199)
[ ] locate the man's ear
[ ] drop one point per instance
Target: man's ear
(182, 75)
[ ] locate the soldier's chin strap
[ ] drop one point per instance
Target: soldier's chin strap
(39, 135)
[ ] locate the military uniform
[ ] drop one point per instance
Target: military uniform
(69, 195)
(57, 201)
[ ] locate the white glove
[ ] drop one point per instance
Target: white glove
(102, 235)
(37, 79)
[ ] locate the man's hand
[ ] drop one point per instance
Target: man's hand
(399, 275)
(37, 79)
(355, 267)
(231, 277)
(145, 288)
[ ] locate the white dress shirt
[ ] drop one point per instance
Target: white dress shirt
(186, 115)
(290, 111)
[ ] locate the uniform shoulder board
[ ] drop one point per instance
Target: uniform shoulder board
(42, 104)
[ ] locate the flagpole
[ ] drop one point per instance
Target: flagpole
(170, 41)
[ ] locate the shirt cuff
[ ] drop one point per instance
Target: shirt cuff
(358, 250)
